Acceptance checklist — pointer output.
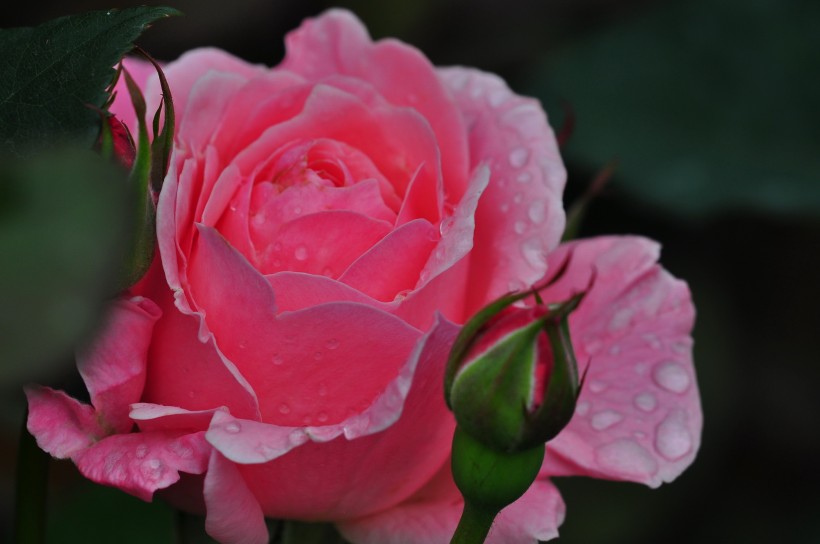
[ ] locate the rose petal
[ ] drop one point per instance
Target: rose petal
(156, 417)
(61, 425)
(520, 218)
(113, 367)
(297, 290)
(393, 264)
(338, 43)
(141, 463)
(206, 104)
(140, 71)
(638, 417)
(233, 513)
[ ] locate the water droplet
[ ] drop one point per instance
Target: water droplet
(498, 97)
(322, 389)
(504, 208)
(317, 356)
(524, 177)
(278, 359)
(582, 408)
(190, 394)
(154, 464)
(233, 427)
(297, 210)
(333, 343)
(439, 254)
(476, 91)
(652, 340)
(446, 225)
(307, 420)
(243, 344)
(672, 438)
(301, 253)
(515, 285)
(681, 347)
(519, 227)
(519, 157)
(141, 451)
(597, 386)
(537, 212)
(626, 457)
(645, 401)
(322, 417)
(671, 376)
(518, 198)
(593, 346)
(615, 350)
(284, 408)
(258, 220)
(605, 419)
(641, 368)
(534, 253)
(621, 319)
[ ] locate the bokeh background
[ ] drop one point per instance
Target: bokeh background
(712, 110)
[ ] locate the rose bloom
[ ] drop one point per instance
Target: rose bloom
(324, 228)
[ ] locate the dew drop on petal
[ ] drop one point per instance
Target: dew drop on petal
(597, 386)
(537, 212)
(582, 407)
(524, 177)
(518, 198)
(317, 356)
(322, 389)
(519, 157)
(333, 343)
(284, 408)
(533, 253)
(504, 208)
(446, 225)
(671, 376)
(626, 457)
(519, 227)
(605, 419)
(645, 401)
(278, 359)
(672, 438)
(322, 417)
(301, 253)
(141, 451)
(233, 427)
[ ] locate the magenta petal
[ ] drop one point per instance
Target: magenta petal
(233, 513)
(140, 71)
(113, 367)
(534, 517)
(62, 426)
(141, 463)
(638, 417)
(155, 417)
(298, 290)
(520, 218)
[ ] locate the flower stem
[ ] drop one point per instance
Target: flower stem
(31, 492)
(474, 525)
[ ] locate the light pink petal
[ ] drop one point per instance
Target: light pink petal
(337, 43)
(431, 516)
(233, 513)
(520, 218)
(141, 463)
(189, 372)
(209, 98)
(155, 417)
(398, 140)
(393, 265)
(353, 477)
(62, 426)
(113, 367)
(638, 417)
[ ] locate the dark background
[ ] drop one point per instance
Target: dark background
(712, 110)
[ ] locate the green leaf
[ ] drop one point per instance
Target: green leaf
(707, 105)
(50, 74)
(63, 225)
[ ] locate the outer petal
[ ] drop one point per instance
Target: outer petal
(234, 515)
(141, 463)
(520, 218)
(638, 417)
(113, 367)
(431, 516)
(61, 425)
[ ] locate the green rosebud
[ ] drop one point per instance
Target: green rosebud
(512, 378)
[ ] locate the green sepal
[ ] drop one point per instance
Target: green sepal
(163, 142)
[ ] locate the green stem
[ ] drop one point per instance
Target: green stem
(474, 525)
(31, 492)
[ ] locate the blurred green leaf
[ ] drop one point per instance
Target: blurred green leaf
(63, 221)
(51, 73)
(708, 106)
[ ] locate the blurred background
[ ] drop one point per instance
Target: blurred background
(712, 111)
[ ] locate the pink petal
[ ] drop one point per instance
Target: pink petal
(141, 463)
(394, 264)
(209, 98)
(62, 426)
(638, 417)
(520, 218)
(113, 367)
(310, 366)
(297, 290)
(233, 513)
(155, 417)
(431, 515)
(140, 71)
(337, 43)
(352, 477)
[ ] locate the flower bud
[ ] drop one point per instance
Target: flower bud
(512, 379)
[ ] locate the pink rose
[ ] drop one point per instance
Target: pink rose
(324, 227)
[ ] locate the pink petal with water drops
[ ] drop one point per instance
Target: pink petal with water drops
(269, 348)
(156, 417)
(337, 43)
(638, 417)
(233, 513)
(297, 290)
(113, 367)
(520, 218)
(141, 463)
(61, 425)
